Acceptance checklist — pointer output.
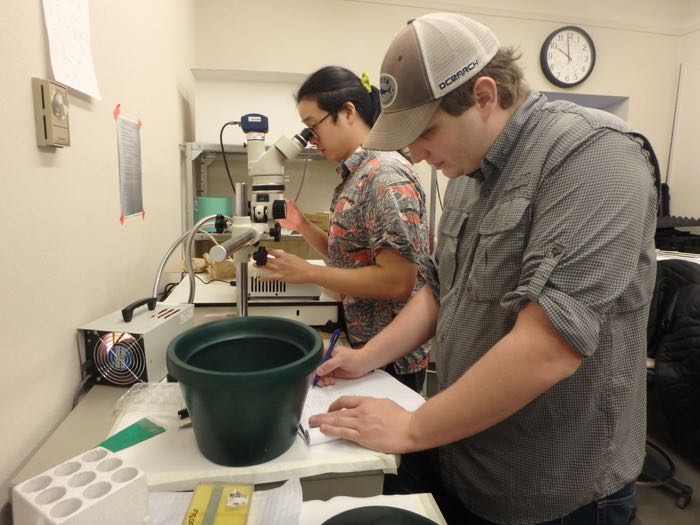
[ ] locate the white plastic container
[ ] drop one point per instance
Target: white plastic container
(93, 488)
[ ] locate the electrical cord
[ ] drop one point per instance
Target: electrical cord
(303, 177)
(437, 189)
(182, 276)
(211, 237)
(80, 388)
(83, 371)
(167, 289)
(211, 280)
(223, 152)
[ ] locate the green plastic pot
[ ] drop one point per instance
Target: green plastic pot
(244, 381)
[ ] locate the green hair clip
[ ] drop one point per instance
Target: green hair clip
(364, 79)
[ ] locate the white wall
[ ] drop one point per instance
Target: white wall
(684, 172)
(222, 96)
(66, 258)
(637, 42)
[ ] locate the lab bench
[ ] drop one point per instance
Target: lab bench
(347, 469)
(91, 420)
(324, 495)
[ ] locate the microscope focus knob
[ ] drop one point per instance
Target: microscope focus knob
(220, 223)
(260, 256)
(276, 232)
(279, 209)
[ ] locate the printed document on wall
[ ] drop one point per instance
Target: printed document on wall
(129, 146)
(68, 30)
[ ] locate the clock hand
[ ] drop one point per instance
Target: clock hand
(563, 52)
(568, 50)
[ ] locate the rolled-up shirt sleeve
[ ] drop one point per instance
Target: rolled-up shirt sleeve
(583, 252)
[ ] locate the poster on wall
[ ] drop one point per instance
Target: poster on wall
(130, 175)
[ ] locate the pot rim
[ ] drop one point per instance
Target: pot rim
(208, 334)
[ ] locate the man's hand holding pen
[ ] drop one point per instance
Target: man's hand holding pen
(328, 353)
(345, 362)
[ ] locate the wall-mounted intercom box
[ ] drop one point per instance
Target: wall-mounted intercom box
(51, 113)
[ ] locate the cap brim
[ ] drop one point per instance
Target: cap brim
(395, 130)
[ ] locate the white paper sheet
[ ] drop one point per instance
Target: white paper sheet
(279, 506)
(375, 384)
(130, 176)
(168, 508)
(68, 30)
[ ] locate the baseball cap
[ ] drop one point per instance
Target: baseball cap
(430, 57)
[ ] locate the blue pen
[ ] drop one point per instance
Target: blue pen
(329, 352)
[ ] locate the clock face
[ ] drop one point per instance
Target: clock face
(567, 56)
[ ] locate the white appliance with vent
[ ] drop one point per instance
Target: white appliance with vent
(122, 353)
(258, 288)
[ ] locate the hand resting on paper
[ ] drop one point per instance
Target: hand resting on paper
(377, 424)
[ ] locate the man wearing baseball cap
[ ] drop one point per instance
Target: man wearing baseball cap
(538, 294)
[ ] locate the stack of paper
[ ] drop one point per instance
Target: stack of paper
(375, 384)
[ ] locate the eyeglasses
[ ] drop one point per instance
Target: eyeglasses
(313, 128)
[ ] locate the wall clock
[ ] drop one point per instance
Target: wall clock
(567, 56)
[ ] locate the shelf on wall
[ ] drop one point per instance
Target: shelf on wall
(196, 148)
(612, 104)
(247, 75)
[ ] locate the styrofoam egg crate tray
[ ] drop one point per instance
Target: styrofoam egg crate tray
(95, 487)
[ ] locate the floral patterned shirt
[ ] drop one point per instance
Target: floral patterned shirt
(379, 204)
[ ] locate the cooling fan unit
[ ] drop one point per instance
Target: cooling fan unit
(122, 353)
(119, 357)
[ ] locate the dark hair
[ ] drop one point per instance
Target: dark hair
(509, 81)
(333, 86)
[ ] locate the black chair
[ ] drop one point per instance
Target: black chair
(673, 367)
(659, 471)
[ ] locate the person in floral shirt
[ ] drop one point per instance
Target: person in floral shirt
(378, 233)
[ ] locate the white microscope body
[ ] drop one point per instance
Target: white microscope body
(266, 167)
(255, 218)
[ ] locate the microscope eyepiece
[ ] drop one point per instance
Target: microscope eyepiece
(304, 136)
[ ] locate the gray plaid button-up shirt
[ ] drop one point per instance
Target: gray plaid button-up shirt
(562, 213)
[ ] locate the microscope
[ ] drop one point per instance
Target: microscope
(254, 217)
(267, 167)
(253, 221)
